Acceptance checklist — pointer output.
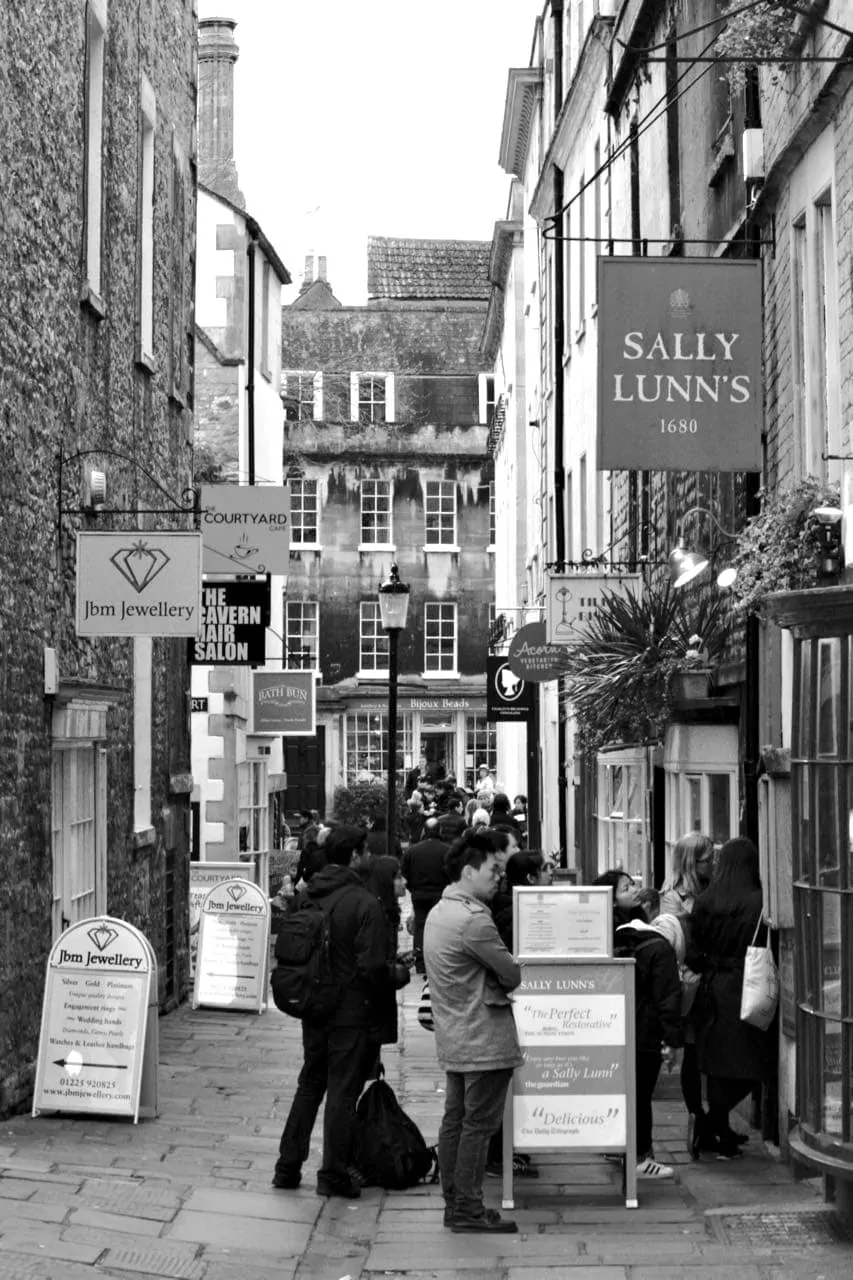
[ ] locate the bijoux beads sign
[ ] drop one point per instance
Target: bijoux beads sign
(94, 1021)
(138, 584)
(245, 528)
(679, 364)
(233, 947)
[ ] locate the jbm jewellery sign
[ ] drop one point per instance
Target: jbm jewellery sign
(679, 364)
(138, 584)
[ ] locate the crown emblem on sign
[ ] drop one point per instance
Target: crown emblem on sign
(680, 305)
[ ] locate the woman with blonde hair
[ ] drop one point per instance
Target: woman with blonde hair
(690, 874)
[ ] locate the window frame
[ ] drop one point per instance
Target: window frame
(298, 507)
(294, 636)
(373, 642)
(358, 400)
(376, 545)
(440, 672)
(445, 489)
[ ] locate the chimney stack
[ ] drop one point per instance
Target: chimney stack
(321, 268)
(217, 53)
(308, 276)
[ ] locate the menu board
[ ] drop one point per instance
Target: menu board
(94, 1021)
(563, 920)
(203, 876)
(233, 948)
(575, 1027)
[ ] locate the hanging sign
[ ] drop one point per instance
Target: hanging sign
(94, 1021)
(245, 528)
(284, 702)
(234, 621)
(679, 364)
(138, 584)
(573, 601)
(509, 699)
(532, 658)
(233, 947)
(576, 1089)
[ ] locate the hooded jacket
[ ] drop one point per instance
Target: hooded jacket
(358, 944)
(657, 985)
(470, 973)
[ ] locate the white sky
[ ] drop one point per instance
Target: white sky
(371, 117)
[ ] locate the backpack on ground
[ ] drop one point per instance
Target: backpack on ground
(391, 1151)
(303, 982)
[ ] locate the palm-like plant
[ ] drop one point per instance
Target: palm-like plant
(619, 676)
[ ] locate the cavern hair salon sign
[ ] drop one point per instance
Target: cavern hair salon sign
(679, 364)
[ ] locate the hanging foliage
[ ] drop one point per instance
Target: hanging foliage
(620, 675)
(765, 31)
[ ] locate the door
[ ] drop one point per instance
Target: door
(305, 767)
(78, 834)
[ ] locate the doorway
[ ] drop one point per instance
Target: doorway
(438, 744)
(78, 833)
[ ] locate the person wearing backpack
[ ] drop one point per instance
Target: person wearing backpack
(333, 972)
(470, 974)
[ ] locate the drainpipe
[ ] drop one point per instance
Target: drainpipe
(250, 351)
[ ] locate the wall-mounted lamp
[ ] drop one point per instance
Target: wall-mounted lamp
(686, 564)
(829, 519)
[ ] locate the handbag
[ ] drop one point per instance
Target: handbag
(425, 1008)
(760, 992)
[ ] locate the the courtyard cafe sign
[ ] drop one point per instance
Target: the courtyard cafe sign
(679, 373)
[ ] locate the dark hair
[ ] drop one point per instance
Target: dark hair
(612, 879)
(470, 850)
(341, 843)
(523, 800)
(379, 822)
(500, 836)
(626, 915)
(500, 803)
(649, 899)
(522, 865)
(737, 874)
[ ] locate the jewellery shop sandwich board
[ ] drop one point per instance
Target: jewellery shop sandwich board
(99, 1048)
(575, 1016)
(233, 948)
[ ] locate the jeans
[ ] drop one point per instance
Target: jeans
(648, 1070)
(473, 1109)
(337, 1062)
(420, 911)
(723, 1094)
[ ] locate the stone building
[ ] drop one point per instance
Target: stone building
(386, 410)
(96, 380)
(238, 440)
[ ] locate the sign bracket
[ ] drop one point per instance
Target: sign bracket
(188, 504)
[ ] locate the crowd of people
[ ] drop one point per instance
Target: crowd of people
(688, 942)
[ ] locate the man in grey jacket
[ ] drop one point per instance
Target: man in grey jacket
(470, 973)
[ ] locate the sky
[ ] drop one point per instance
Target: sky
(371, 117)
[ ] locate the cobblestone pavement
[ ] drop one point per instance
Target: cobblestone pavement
(188, 1195)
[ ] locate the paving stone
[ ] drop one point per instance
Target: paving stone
(220, 1230)
(58, 1250)
(115, 1222)
(580, 1272)
(35, 1211)
(277, 1205)
(734, 1270)
(17, 1189)
(157, 1262)
(249, 1267)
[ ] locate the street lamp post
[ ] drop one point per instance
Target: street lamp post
(393, 606)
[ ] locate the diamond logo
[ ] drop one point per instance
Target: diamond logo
(139, 564)
(236, 892)
(102, 936)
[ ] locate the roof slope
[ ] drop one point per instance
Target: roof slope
(410, 270)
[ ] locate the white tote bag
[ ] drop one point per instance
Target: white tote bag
(760, 994)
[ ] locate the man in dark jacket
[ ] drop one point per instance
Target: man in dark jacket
(657, 993)
(425, 876)
(340, 1053)
(451, 823)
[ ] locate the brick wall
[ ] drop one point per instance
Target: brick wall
(69, 378)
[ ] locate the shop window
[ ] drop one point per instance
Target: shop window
(822, 829)
(623, 838)
(253, 806)
(367, 747)
(481, 747)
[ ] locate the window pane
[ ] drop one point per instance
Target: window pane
(802, 746)
(802, 823)
(830, 997)
(693, 785)
(833, 1115)
(829, 696)
(617, 803)
(634, 798)
(719, 798)
(827, 809)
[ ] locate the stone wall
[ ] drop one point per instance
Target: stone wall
(69, 379)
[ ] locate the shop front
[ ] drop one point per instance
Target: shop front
(821, 789)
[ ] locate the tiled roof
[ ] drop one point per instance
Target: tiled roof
(421, 269)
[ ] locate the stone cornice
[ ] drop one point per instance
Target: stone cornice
(523, 87)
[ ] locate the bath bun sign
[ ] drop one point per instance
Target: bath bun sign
(245, 528)
(94, 1020)
(233, 947)
(679, 364)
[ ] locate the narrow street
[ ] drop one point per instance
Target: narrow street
(188, 1195)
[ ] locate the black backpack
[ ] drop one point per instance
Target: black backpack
(391, 1151)
(303, 981)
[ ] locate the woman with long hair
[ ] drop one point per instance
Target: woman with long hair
(734, 1055)
(690, 874)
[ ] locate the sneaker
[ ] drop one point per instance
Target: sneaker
(449, 1215)
(650, 1168)
(489, 1221)
(344, 1187)
(522, 1167)
(287, 1180)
